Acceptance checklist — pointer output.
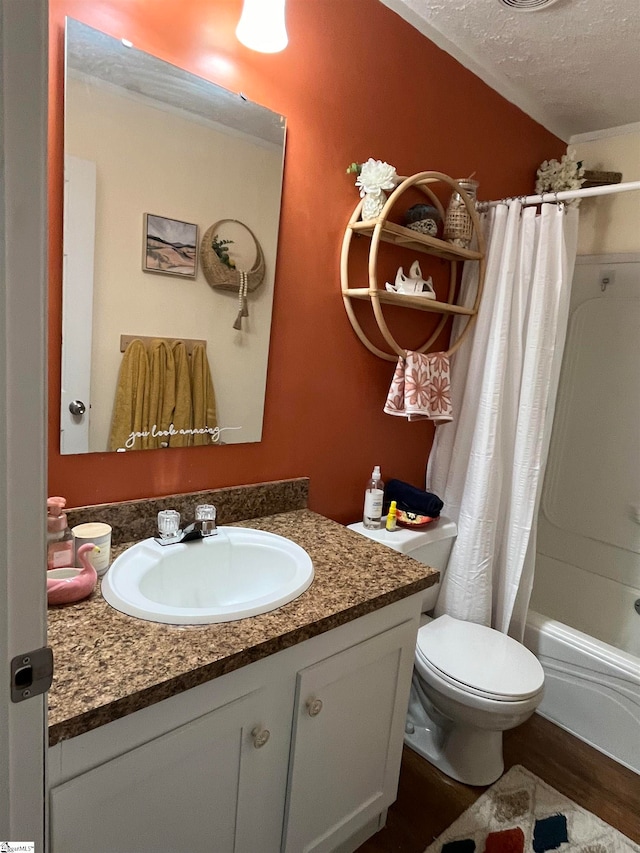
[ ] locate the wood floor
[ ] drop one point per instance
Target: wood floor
(428, 801)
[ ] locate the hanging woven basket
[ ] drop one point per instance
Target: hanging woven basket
(221, 277)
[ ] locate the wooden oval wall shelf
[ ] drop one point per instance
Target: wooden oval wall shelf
(381, 230)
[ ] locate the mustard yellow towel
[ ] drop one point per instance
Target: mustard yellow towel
(131, 404)
(183, 414)
(203, 396)
(162, 391)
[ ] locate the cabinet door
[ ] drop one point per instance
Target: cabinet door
(349, 724)
(188, 791)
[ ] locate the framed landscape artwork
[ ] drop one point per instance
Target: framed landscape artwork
(170, 246)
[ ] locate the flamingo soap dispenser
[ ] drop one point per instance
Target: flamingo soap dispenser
(73, 584)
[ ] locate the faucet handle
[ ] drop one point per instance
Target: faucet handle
(168, 523)
(206, 515)
(205, 512)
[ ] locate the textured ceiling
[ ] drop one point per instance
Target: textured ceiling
(574, 67)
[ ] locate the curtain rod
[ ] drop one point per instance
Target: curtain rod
(565, 195)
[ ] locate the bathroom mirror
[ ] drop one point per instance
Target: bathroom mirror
(154, 154)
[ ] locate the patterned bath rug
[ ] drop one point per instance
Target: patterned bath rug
(522, 814)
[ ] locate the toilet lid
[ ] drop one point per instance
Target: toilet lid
(480, 658)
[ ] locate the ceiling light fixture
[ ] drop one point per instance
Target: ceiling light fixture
(527, 5)
(262, 27)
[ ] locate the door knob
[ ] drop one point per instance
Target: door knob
(77, 407)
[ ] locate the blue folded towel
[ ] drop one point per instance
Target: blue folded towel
(410, 499)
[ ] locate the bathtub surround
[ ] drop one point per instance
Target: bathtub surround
(591, 551)
(488, 465)
(583, 624)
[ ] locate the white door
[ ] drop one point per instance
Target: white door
(77, 303)
(23, 437)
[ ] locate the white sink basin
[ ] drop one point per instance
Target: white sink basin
(238, 573)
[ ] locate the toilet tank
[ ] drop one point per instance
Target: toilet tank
(430, 546)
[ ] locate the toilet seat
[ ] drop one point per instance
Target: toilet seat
(478, 660)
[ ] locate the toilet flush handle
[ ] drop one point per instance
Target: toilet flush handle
(314, 706)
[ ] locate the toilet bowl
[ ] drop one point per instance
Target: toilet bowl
(470, 683)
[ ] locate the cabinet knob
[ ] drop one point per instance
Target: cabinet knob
(260, 736)
(314, 706)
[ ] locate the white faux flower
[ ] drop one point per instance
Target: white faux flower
(376, 176)
(554, 176)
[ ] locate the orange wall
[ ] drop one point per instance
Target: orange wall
(355, 81)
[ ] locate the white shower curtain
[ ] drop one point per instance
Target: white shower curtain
(488, 465)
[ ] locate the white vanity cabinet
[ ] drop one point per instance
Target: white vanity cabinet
(297, 752)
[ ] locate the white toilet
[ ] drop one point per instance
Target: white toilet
(470, 683)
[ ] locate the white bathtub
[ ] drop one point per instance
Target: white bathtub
(588, 549)
(592, 689)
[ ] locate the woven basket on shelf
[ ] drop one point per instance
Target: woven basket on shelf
(218, 274)
(599, 179)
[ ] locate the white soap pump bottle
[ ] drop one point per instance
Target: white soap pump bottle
(372, 517)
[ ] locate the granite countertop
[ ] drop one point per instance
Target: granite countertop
(108, 665)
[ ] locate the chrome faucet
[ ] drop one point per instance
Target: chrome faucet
(171, 533)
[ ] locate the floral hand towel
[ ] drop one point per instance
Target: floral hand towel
(421, 388)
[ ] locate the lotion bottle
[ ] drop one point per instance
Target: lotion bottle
(59, 536)
(372, 516)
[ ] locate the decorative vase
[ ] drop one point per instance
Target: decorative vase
(372, 205)
(458, 225)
